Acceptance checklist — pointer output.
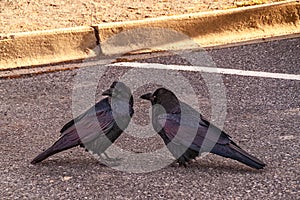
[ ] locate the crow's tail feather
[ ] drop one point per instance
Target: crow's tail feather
(63, 143)
(233, 151)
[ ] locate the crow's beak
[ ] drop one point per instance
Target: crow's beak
(147, 96)
(108, 92)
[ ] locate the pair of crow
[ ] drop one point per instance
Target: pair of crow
(184, 131)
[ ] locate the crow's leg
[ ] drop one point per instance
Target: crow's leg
(110, 158)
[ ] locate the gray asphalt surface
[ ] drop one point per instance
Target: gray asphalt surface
(263, 117)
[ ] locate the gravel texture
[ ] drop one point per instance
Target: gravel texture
(262, 117)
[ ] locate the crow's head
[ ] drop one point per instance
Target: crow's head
(118, 90)
(164, 97)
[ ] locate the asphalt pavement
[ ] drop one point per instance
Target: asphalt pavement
(262, 115)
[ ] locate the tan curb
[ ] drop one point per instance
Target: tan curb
(207, 29)
(43, 47)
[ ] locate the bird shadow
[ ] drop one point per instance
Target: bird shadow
(80, 165)
(231, 167)
(68, 165)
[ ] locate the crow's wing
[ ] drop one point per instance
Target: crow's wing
(191, 131)
(96, 121)
(100, 106)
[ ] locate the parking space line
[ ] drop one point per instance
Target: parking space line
(209, 70)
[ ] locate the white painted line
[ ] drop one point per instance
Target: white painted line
(208, 70)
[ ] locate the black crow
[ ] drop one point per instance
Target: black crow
(98, 127)
(187, 134)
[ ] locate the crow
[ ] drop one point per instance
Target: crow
(98, 127)
(187, 134)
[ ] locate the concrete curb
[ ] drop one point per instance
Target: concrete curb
(43, 47)
(207, 29)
